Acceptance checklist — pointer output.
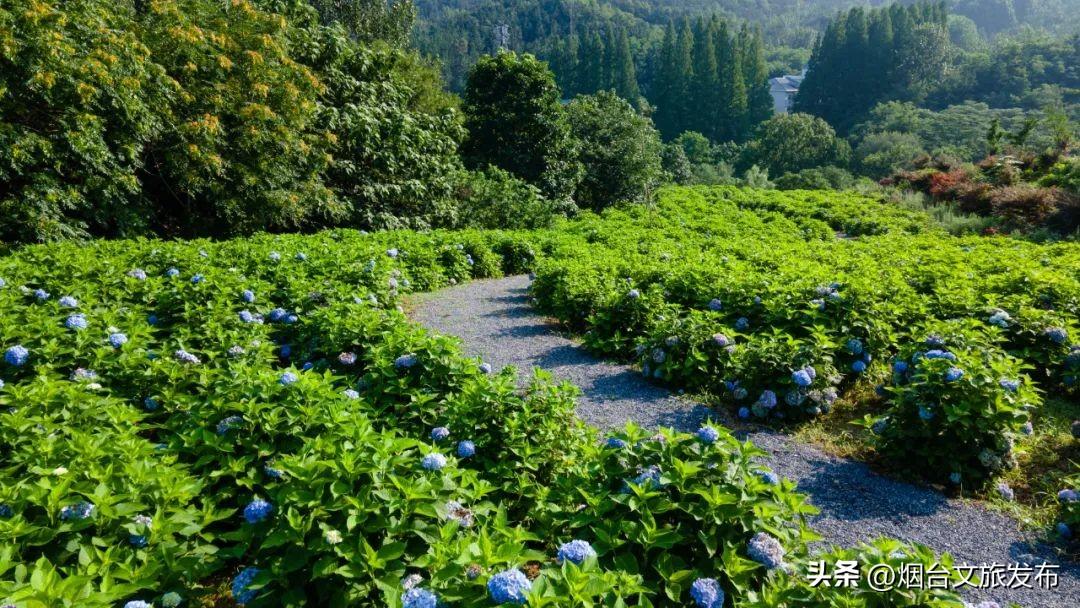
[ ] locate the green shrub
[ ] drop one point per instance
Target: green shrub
(494, 198)
(956, 404)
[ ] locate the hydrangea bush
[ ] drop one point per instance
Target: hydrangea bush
(957, 403)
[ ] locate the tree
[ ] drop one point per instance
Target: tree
(620, 151)
(515, 122)
(677, 168)
(624, 77)
(369, 20)
(879, 155)
(792, 142)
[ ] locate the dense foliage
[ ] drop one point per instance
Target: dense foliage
(197, 116)
(864, 57)
(515, 122)
(253, 418)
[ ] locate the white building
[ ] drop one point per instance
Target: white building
(783, 90)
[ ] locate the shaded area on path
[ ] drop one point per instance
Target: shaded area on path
(494, 320)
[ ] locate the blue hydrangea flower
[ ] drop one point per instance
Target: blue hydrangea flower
(150, 404)
(405, 361)
(301, 257)
(277, 314)
(953, 374)
(347, 358)
(509, 587)
(183, 356)
(41, 295)
(770, 478)
(708, 435)
(272, 472)
(116, 340)
(229, 423)
(1000, 319)
(658, 355)
(16, 355)
(152, 319)
(744, 413)
(274, 256)
(392, 283)
(633, 294)
(1063, 530)
(855, 346)
(939, 354)
(934, 341)
(794, 398)
(82, 374)
(900, 366)
(392, 253)
(171, 599)
(418, 597)
(138, 604)
(307, 366)
(576, 551)
(802, 378)
(1, 384)
(287, 378)
(235, 351)
(285, 351)
(439, 433)
(248, 296)
(1057, 335)
(615, 443)
(6, 511)
(1068, 495)
(172, 272)
(246, 316)
(290, 319)
(240, 591)
(742, 324)
(257, 510)
(740, 393)
(715, 304)
(926, 413)
(433, 462)
(76, 322)
(858, 367)
(955, 478)
(139, 541)
(197, 279)
(767, 399)
(351, 394)
(77, 511)
(721, 340)
(2, 283)
(137, 273)
(707, 593)
(68, 302)
(1027, 428)
(1005, 492)
(766, 550)
(466, 449)
(1010, 385)
(485, 368)
(649, 477)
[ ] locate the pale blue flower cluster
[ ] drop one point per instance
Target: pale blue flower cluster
(953, 374)
(708, 435)
(76, 322)
(288, 379)
(117, 339)
(405, 361)
(347, 358)
(183, 356)
(766, 550)
(433, 462)
(742, 324)
(77, 511)
(466, 449)
(16, 355)
(240, 584)
(707, 593)
(68, 302)
(576, 551)
(509, 587)
(715, 304)
(485, 368)
(418, 597)
(1057, 335)
(257, 510)
(229, 423)
(440, 433)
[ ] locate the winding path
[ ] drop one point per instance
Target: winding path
(494, 321)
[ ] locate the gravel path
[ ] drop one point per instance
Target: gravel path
(494, 320)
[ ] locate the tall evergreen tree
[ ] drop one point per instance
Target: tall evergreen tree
(705, 85)
(624, 75)
(664, 94)
(756, 75)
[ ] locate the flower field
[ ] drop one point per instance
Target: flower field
(255, 421)
(778, 303)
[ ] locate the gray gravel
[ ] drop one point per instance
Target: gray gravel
(494, 321)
